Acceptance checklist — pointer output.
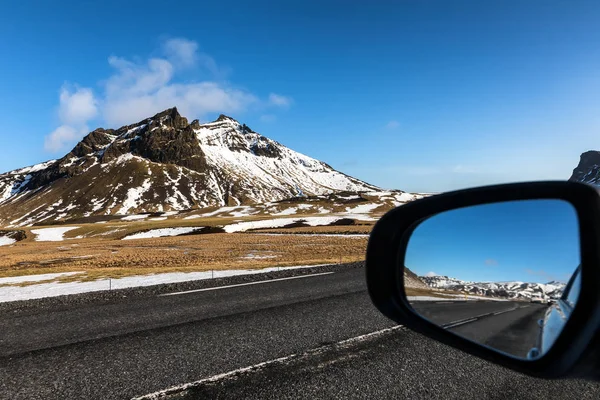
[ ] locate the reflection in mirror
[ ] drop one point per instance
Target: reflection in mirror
(505, 275)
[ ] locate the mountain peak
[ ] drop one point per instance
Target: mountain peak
(223, 117)
(163, 163)
(169, 112)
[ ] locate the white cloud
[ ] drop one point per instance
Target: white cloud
(133, 79)
(431, 273)
(392, 124)
(139, 89)
(181, 51)
(268, 118)
(196, 100)
(76, 108)
(280, 100)
(63, 136)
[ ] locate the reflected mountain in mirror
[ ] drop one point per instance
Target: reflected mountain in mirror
(500, 274)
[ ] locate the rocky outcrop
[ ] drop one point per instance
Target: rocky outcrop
(16, 235)
(411, 280)
(588, 169)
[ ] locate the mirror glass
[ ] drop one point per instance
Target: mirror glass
(505, 275)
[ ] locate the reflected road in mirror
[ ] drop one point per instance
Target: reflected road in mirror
(503, 274)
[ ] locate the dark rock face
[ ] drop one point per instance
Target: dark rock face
(165, 138)
(588, 169)
(223, 117)
(262, 147)
(171, 147)
(93, 142)
(16, 235)
(46, 176)
(195, 124)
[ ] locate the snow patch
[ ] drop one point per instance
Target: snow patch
(134, 195)
(5, 241)
(344, 235)
(278, 223)
(35, 278)
(51, 289)
(360, 217)
(363, 208)
(287, 211)
(51, 234)
(162, 232)
(134, 217)
(457, 297)
(253, 256)
(34, 168)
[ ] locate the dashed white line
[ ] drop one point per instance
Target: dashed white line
(256, 367)
(475, 318)
(502, 312)
(458, 323)
(245, 284)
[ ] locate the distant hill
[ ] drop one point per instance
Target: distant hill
(513, 290)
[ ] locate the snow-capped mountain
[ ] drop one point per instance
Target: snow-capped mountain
(588, 169)
(513, 290)
(164, 163)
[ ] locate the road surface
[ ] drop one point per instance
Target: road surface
(504, 325)
(305, 337)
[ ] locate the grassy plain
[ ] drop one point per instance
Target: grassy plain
(102, 253)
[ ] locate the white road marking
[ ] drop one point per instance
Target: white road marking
(472, 319)
(246, 284)
(318, 350)
(502, 312)
(453, 324)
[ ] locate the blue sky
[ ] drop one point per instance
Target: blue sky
(413, 95)
(528, 241)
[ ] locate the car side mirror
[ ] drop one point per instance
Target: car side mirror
(509, 273)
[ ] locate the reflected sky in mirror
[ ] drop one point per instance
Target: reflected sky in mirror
(528, 241)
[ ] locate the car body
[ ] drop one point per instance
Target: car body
(557, 315)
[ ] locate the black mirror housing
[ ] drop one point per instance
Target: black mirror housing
(574, 352)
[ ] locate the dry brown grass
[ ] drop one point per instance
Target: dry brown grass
(106, 257)
(341, 229)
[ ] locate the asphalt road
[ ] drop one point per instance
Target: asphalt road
(508, 326)
(314, 325)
